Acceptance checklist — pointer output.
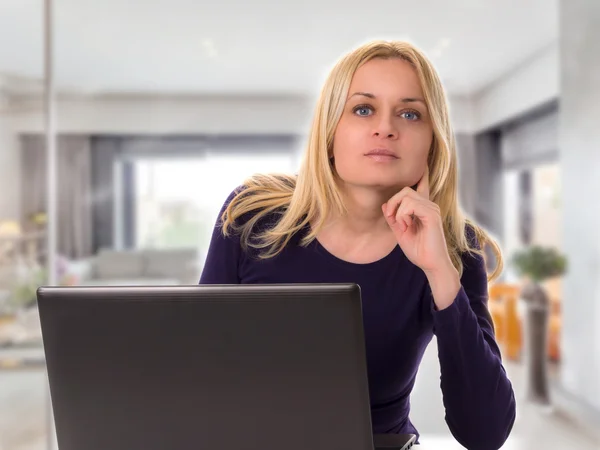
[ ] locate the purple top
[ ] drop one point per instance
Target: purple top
(400, 320)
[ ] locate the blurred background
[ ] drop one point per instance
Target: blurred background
(155, 110)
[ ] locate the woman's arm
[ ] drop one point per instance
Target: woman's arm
(477, 394)
(479, 400)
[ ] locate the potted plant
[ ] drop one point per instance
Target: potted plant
(537, 264)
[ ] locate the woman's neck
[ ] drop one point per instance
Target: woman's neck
(364, 215)
(362, 235)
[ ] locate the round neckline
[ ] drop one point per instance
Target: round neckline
(374, 265)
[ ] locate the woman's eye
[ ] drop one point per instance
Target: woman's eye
(363, 110)
(410, 115)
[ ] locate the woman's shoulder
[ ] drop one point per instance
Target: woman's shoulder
(232, 195)
(233, 200)
(260, 200)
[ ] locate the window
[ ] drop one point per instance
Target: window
(178, 200)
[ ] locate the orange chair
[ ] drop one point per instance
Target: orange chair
(503, 305)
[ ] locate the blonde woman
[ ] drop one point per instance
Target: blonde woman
(375, 203)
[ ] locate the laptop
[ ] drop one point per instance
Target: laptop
(209, 367)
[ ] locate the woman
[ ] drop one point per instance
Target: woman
(375, 203)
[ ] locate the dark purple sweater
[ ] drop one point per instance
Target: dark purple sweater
(400, 320)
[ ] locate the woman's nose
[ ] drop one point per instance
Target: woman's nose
(385, 129)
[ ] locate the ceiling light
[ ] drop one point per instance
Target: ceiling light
(209, 48)
(436, 53)
(444, 42)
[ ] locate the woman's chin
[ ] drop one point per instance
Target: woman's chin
(377, 184)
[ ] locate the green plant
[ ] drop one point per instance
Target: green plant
(539, 263)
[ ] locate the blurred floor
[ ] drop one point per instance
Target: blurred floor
(22, 419)
(534, 427)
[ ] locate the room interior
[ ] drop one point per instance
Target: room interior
(146, 155)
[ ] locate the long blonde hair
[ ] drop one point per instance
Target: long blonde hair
(310, 197)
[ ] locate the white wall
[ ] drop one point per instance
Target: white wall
(580, 163)
(168, 115)
(462, 114)
(523, 88)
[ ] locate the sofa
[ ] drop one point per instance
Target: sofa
(138, 267)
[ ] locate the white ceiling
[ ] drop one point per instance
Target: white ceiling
(263, 46)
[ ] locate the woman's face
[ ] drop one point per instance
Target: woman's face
(384, 134)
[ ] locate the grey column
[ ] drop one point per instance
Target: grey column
(467, 172)
(489, 198)
(104, 151)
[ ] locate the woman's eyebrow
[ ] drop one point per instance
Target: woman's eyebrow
(402, 100)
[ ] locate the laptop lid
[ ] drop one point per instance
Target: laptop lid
(222, 367)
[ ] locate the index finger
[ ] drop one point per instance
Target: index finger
(423, 186)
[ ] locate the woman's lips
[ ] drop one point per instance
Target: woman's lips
(381, 155)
